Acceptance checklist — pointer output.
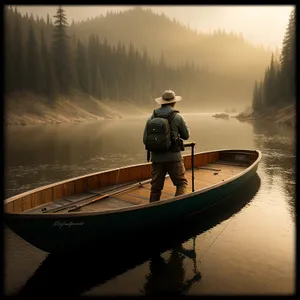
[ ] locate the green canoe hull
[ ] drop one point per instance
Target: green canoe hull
(61, 232)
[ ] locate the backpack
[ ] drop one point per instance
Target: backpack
(159, 134)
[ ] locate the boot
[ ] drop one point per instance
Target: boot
(181, 189)
(154, 197)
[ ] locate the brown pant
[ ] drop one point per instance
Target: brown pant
(176, 170)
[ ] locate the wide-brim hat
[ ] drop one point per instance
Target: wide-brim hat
(168, 97)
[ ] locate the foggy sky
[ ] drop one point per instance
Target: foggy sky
(261, 25)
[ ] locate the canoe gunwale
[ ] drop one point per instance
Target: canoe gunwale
(133, 207)
(52, 185)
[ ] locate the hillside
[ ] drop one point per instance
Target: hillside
(219, 51)
(108, 59)
(29, 109)
(232, 63)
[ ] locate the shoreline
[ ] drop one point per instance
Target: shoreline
(24, 108)
(284, 116)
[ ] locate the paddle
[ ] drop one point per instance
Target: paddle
(90, 202)
(139, 184)
(53, 210)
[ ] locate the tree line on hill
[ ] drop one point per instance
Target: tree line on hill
(277, 88)
(96, 68)
(48, 58)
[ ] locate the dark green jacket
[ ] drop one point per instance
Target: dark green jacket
(178, 125)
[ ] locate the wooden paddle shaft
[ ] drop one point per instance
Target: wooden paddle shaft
(139, 184)
(90, 202)
(98, 198)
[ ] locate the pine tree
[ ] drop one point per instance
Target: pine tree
(18, 55)
(52, 85)
(292, 57)
(287, 61)
(48, 20)
(34, 81)
(93, 65)
(272, 101)
(277, 83)
(255, 97)
(270, 85)
(100, 91)
(8, 44)
(73, 62)
(44, 62)
(61, 52)
(82, 68)
(261, 96)
(107, 72)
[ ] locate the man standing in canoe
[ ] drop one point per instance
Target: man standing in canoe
(163, 135)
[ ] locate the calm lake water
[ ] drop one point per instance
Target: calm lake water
(244, 247)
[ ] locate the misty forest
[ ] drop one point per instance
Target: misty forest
(106, 58)
(277, 87)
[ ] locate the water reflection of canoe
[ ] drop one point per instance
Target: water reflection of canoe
(82, 210)
(74, 273)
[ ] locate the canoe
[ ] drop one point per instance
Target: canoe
(97, 265)
(114, 203)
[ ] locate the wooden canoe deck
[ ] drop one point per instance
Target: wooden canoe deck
(204, 177)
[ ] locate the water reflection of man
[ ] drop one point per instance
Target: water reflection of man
(168, 277)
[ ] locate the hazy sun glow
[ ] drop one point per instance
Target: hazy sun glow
(259, 24)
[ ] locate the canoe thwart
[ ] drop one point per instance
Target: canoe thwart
(231, 163)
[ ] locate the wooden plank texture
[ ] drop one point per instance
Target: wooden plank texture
(76, 190)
